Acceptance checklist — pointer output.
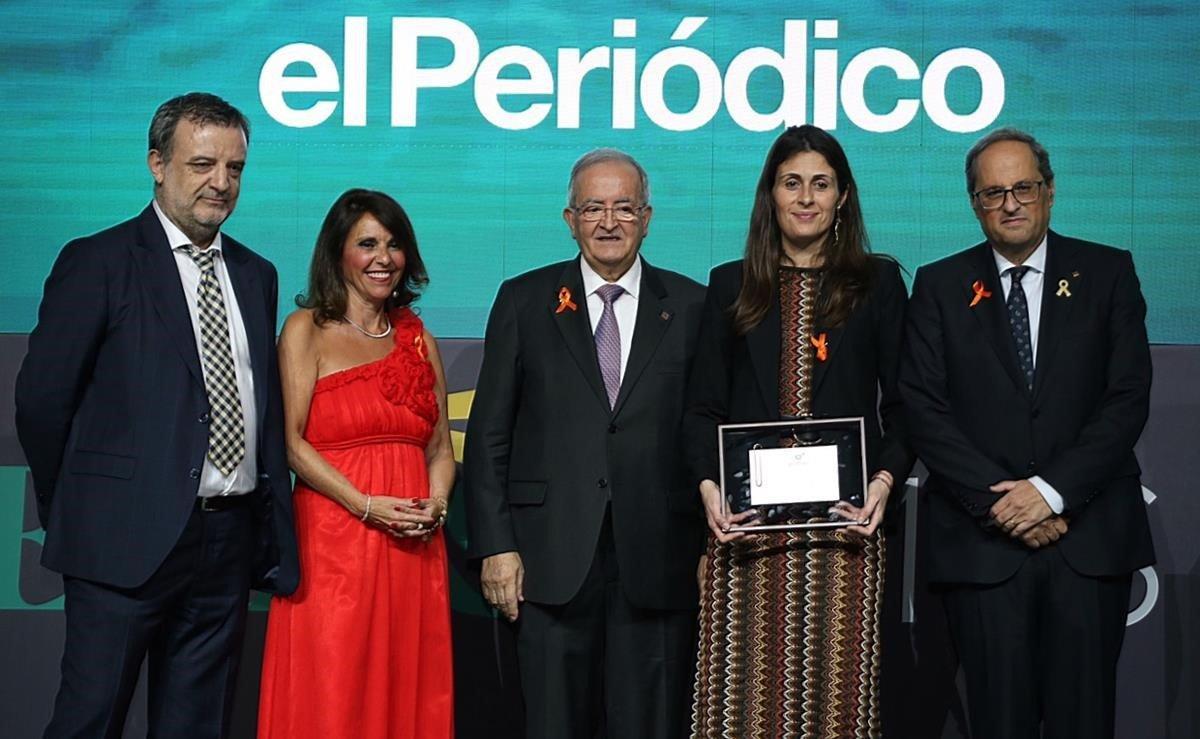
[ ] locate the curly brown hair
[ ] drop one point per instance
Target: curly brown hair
(326, 294)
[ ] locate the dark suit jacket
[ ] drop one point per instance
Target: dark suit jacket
(113, 415)
(735, 379)
(545, 454)
(974, 423)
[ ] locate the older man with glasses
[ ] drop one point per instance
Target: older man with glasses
(1026, 378)
(577, 501)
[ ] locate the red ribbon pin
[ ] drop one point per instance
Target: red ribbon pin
(819, 344)
(980, 293)
(564, 301)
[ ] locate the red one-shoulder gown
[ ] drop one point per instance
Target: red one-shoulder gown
(362, 648)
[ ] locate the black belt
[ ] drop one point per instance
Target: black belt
(221, 502)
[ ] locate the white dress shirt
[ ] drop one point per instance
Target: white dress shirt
(624, 306)
(244, 477)
(1032, 283)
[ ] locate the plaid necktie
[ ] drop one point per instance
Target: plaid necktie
(226, 433)
(1018, 320)
(608, 342)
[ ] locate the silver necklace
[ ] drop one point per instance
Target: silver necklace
(386, 332)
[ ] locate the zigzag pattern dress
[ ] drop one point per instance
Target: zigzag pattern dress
(789, 623)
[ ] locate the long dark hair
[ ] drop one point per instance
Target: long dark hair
(326, 294)
(847, 266)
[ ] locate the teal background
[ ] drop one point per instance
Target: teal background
(1108, 87)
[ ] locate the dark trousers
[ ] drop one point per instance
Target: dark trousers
(1040, 649)
(188, 617)
(599, 666)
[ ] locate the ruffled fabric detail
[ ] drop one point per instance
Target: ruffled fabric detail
(405, 376)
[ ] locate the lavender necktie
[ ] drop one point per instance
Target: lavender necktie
(608, 342)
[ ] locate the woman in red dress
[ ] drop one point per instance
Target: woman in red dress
(362, 648)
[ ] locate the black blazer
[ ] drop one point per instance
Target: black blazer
(545, 454)
(112, 411)
(735, 379)
(974, 423)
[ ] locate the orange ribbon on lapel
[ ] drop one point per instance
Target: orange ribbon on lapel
(564, 301)
(819, 344)
(980, 293)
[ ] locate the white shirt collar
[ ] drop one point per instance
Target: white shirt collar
(1036, 260)
(630, 281)
(176, 238)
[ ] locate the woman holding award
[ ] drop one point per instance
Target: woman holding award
(807, 324)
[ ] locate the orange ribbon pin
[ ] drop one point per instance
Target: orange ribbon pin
(818, 342)
(564, 301)
(980, 293)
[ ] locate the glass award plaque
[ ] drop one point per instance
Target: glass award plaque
(791, 472)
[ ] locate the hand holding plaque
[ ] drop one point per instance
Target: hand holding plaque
(725, 526)
(870, 515)
(793, 474)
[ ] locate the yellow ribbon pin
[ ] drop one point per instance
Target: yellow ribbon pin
(1062, 289)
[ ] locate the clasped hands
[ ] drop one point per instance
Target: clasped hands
(406, 518)
(1023, 514)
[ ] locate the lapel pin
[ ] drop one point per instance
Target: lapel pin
(1074, 274)
(980, 292)
(819, 343)
(665, 316)
(564, 301)
(1063, 289)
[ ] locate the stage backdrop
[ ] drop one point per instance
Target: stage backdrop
(471, 114)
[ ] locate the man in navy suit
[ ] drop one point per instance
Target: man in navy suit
(148, 407)
(1026, 379)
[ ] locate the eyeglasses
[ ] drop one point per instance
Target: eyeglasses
(1023, 192)
(595, 212)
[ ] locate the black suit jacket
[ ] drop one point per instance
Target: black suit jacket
(545, 454)
(112, 412)
(974, 423)
(735, 379)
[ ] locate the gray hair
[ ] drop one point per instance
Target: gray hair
(202, 109)
(598, 156)
(1009, 133)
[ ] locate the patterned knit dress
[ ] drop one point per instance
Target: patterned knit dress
(789, 622)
